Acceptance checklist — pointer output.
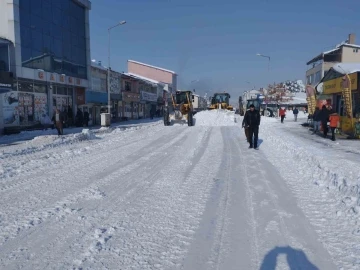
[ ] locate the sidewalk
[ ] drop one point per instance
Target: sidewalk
(6, 140)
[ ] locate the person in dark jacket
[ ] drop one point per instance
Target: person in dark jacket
(86, 118)
(70, 116)
(79, 118)
(295, 113)
(252, 122)
(316, 120)
(324, 118)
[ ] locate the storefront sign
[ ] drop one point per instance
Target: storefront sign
(96, 97)
(80, 96)
(78, 81)
(146, 96)
(70, 80)
(10, 104)
(130, 97)
(6, 81)
(52, 77)
(41, 75)
(335, 85)
(62, 78)
(115, 83)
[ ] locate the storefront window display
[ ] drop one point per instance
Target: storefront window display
(26, 106)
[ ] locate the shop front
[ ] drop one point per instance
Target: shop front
(346, 103)
(95, 101)
(149, 101)
(130, 105)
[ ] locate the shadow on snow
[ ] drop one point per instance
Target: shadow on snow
(296, 259)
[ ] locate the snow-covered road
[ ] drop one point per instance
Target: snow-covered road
(155, 197)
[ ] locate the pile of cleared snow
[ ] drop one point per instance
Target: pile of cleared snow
(86, 134)
(215, 118)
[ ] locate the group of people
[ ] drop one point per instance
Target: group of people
(322, 117)
(282, 113)
(65, 118)
(251, 122)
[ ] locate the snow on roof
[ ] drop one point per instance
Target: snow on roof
(148, 80)
(338, 47)
(347, 68)
(136, 62)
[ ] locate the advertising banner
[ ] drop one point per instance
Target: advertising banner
(10, 108)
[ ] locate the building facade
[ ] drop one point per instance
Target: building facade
(331, 89)
(158, 74)
(45, 45)
(347, 52)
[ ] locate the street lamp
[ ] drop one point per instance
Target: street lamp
(259, 54)
(108, 73)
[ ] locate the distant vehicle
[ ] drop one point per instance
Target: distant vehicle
(199, 103)
(220, 101)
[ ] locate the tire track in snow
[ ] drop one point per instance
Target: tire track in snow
(252, 219)
(24, 177)
(36, 216)
(159, 222)
(110, 200)
(218, 247)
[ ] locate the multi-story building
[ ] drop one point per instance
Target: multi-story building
(147, 89)
(160, 76)
(45, 49)
(346, 52)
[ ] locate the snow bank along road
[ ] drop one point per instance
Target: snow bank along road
(155, 197)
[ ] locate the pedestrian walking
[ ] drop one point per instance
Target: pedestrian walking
(282, 114)
(59, 121)
(316, 120)
(334, 124)
(252, 122)
(295, 112)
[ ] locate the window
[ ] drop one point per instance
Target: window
(317, 77)
(127, 86)
(56, 29)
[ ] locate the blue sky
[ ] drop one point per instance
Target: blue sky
(216, 42)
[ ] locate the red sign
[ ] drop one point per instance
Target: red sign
(80, 96)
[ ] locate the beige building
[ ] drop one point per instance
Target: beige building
(347, 52)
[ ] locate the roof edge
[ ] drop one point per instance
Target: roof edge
(147, 65)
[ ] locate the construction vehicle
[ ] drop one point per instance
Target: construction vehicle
(265, 110)
(220, 101)
(182, 111)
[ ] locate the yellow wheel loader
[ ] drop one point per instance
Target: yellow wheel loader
(182, 109)
(220, 101)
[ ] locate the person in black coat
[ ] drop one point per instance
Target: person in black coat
(252, 122)
(324, 118)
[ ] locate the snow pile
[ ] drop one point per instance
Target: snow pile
(86, 134)
(324, 177)
(215, 118)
